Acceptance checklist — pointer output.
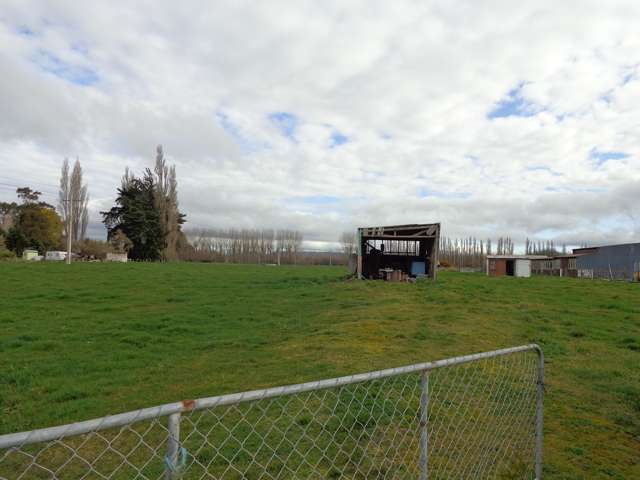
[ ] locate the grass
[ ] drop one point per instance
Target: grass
(92, 339)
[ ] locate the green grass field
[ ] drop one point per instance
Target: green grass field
(92, 339)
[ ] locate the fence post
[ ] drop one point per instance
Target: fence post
(424, 439)
(539, 413)
(173, 444)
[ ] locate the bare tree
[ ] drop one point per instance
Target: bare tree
(246, 246)
(79, 199)
(166, 200)
(348, 243)
(127, 178)
(63, 197)
(73, 200)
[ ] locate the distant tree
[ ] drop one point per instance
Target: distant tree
(34, 223)
(135, 214)
(4, 251)
(166, 201)
(79, 205)
(16, 241)
(27, 195)
(73, 199)
(288, 243)
(8, 213)
(348, 243)
(38, 227)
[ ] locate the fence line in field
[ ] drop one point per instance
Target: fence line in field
(470, 416)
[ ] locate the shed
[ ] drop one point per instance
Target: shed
(613, 262)
(412, 249)
(510, 265)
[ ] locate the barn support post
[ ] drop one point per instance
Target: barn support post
(434, 255)
(359, 251)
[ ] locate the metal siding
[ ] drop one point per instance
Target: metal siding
(614, 261)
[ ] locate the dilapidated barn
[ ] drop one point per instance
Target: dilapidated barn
(411, 250)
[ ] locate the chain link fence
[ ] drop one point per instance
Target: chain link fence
(476, 416)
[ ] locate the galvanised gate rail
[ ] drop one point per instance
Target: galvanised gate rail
(475, 416)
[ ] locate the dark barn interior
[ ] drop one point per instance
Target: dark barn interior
(408, 250)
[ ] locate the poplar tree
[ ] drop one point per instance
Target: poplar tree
(73, 200)
(166, 202)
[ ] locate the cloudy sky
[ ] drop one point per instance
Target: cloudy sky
(493, 118)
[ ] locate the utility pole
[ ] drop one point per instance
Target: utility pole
(69, 227)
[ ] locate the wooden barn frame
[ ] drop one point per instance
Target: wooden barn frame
(413, 249)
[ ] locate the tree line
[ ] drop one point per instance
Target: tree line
(470, 252)
(244, 245)
(545, 247)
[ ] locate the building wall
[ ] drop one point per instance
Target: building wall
(555, 267)
(523, 268)
(617, 262)
(497, 267)
(569, 267)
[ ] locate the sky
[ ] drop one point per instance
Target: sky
(492, 118)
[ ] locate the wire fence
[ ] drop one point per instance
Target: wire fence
(476, 416)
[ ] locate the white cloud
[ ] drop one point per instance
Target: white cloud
(408, 84)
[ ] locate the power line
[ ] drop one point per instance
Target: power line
(14, 187)
(14, 181)
(10, 187)
(44, 192)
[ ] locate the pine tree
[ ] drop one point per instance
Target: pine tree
(136, 215)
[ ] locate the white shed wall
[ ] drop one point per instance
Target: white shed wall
(523, 267)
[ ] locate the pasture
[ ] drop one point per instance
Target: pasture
(88, 340)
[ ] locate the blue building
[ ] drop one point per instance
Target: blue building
(612, 262)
